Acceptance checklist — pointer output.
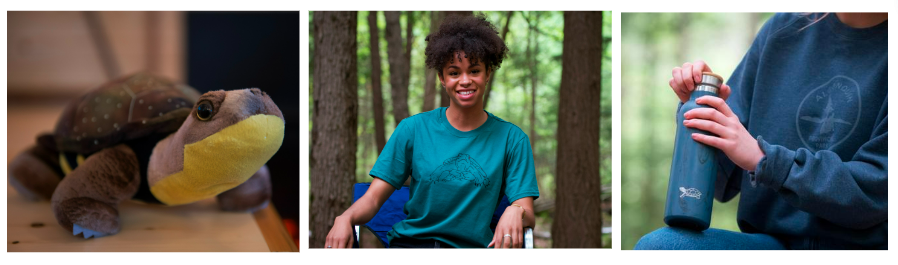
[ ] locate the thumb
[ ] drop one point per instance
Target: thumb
(725, 91)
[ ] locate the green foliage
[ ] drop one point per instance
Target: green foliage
(652, 45)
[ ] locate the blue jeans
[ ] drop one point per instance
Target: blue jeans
(669, 238)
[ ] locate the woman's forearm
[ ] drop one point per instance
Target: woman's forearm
(360, 212)
(367, 206)
(526, 204)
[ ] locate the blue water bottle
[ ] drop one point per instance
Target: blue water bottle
(690, 191)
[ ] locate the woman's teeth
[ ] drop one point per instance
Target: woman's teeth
(466, 92)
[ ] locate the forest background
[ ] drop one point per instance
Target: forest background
(524, 91)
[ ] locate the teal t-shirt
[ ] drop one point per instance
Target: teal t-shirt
(457, 177)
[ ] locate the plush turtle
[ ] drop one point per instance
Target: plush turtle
(145, 138)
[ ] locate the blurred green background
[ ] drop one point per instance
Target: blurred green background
(652, 45)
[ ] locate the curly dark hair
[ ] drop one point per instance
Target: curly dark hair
(473, 35)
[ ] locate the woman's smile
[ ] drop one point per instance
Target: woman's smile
(464, 80)
(465, 94)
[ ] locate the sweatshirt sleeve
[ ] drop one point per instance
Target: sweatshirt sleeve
(852, 193)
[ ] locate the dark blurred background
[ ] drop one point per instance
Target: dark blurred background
(235, 50)
(53, 57)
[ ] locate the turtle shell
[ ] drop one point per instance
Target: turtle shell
(125, 109)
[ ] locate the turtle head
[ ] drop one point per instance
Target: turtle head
(226, 138)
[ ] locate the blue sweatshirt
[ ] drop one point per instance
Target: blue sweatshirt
(815, 97)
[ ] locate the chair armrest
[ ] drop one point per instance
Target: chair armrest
(528, 237)
(356, 236)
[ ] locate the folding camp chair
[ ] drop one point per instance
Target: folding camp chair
(391, 213)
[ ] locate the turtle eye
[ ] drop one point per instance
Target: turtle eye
(204, 110)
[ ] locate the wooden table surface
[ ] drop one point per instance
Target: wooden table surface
(199, 226)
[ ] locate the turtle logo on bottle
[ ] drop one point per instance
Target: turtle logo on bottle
(690, 192)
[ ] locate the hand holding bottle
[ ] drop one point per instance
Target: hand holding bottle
(729, 135)
(686, 77)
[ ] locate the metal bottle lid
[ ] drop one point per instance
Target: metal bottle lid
(710, 82)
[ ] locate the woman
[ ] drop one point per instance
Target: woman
(805, 135)
(461, 159)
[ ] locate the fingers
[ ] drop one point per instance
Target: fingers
(341, 243)
(698, 68)
(506, 241)
(725, 91)
(347, 242)
(706, 114)
(519, 239)
(683, 96)
(717, 103)
(686, 75)
(678, 85)
(337, 243)
(716, 142)
(330, 242)
(708, 126)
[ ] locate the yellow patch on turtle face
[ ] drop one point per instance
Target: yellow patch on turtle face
(79, 159)
(222, 160)
(64, 164)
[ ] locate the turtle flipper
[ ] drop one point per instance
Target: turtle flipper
(250, 196)
(35, 173)
(87, 233)
(89, 196)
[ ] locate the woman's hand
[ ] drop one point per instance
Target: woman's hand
(340, 235)
(511, 224)
(732, 138)
(685, 78)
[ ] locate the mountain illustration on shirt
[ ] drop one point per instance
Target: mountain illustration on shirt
(460, 167)
(827, 119)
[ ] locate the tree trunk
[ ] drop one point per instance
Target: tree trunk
(335, 95)
(431, 74)
(533, 77)
(377, 95)
(444, 98)
(578, 209)
(531, 52)
(409, 34)
(489, 86)
(399, 68)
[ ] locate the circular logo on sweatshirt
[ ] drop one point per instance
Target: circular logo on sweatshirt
(829, 113)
